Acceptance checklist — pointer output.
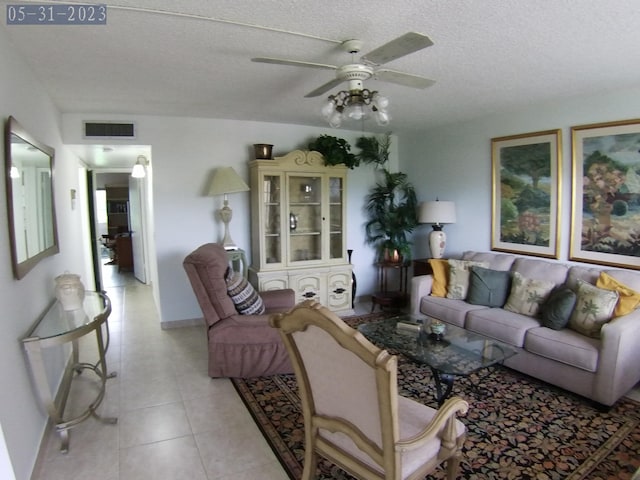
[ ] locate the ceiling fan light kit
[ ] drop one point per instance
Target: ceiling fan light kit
(358, 103)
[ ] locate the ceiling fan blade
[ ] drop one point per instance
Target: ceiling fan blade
(401, 46)
(293, 63)
(401, 78)
(325, 88)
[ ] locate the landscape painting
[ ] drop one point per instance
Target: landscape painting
(525, 193)
(605, 227)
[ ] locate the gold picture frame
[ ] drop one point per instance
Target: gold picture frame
(605, 221)
(525, 195)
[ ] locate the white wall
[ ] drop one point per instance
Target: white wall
(454, 162)
(23, 301)
(186, 151)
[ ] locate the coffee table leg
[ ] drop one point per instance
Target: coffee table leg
(444, 385)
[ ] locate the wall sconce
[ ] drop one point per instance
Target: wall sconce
(139, 168)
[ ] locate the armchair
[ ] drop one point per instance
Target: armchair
(353, 414)
(239, 345)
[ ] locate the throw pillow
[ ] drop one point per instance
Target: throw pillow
(243, 295)
(488, 287)
(440, 269)
(459, 278)
(594, 308)
(556, 311)
(629, 299)
(527, 294)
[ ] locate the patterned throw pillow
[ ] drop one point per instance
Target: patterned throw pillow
(629, 299)
(459, 278)
(440, 269)
(594, 307)
(243, 295)
(527, 295)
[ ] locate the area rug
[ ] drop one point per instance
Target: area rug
(525, 429)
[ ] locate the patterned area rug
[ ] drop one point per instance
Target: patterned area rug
(525, 429)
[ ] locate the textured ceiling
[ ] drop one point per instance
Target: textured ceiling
(488, 56)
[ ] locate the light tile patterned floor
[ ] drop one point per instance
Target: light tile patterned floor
(174, 422)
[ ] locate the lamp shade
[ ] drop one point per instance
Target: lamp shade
(226, 180)
(437, 212)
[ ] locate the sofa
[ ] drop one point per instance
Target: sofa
(602, 366)
(239, 345)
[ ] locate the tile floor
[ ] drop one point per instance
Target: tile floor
(174, 422)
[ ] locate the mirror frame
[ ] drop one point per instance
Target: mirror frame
(20, 269)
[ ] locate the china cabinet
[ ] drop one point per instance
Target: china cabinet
(298, 228)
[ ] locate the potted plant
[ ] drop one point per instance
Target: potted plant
(392, 211)
(335, 151)
(373, 150)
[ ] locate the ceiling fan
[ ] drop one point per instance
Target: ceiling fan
(356, 102)
(369, 65)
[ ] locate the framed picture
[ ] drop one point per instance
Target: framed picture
(526, 179)
(605, 223)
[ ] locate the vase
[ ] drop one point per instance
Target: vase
(354, 283)
(69, 291)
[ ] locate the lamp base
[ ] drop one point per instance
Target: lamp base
(437, 242)
(226, 214)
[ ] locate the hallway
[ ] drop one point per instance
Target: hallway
(174, 422)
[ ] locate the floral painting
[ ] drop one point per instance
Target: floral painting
(605, 227)
(525, 193)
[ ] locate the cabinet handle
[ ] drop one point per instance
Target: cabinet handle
(309, 294)
(339, 290)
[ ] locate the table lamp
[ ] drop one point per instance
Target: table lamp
(437, 213)
(225, 180)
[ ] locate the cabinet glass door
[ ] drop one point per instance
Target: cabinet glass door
(272, 195)
(305, 218)
(336, 200)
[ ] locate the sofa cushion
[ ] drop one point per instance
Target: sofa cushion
(594, 307)
(243, 295)
(566, 346)
(440, 269)
(507, 327)
(554, 272)
(447, 310)
(589, 275)
(496, 261)
(488, 287)
(459, 278)
(630, 278)
(628, 299)
(527, 294)
(556, 311)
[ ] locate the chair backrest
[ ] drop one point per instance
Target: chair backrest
(206, 267)
(346, 383)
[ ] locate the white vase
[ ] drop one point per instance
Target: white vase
(69, 291)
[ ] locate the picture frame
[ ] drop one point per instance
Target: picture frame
(605, 220)
(526, 193)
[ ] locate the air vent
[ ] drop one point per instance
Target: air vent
(109, 130)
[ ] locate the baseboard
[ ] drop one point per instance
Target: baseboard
(187, 322)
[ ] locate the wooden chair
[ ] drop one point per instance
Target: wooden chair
(353, 414)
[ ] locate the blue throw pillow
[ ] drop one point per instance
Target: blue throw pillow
(488, 287)
(556, 311)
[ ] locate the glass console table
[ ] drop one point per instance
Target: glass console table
(58, 327)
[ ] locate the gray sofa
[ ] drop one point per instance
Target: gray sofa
(602, 369)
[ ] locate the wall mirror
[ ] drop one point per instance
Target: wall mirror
(32, 217)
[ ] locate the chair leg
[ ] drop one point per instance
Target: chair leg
(453, 466)
(310, 464)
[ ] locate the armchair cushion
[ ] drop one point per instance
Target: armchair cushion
(243, 295)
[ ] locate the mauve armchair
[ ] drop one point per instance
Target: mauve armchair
(239, 345)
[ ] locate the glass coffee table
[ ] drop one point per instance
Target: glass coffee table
(457, 352)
